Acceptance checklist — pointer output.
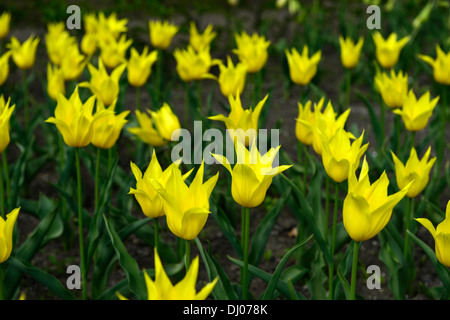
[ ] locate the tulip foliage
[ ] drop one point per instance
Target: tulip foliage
(166, 158)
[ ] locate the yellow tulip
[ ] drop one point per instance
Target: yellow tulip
(163, 289)
(6, 234)
(388, 50)
(339, 154)
(24, 54)
(232, 78)
(368, 207)
(241, 124)
(113, 52)
(252, 175)
(4, 67)
(55, 82)
(145, 131)
(252, 51)
(197, 40)
(441, 236)
(303, 132)
(104, 27)
(149, 200)
(416, 112)
(441, 65)
(194, 65)
(166, 122)
(74, 119)
(106, 130)
(5, 20)
(5, 114)
(162, 33)
(58, 41)
(302, 68)
(414, 170)
(350, 51)
(73, 63)
(186, 208)
(89, 44)
(393, 89)
(139, 66)
(104, 86)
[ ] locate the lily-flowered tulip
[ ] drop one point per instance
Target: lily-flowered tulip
(89, 44)
(113, 52)
(302, 68)
(232, 78)
(441, 65)
(104, 86)
(73, 63)
(252, 51)
(350, 51)
(368, 207)
(74, 119)
(199, 40)
(4, 67)
(162, 288)
(414, 170)
(104, 27)
(339, 154)
(58, 41)
(388, 50)
(441, 235)
(5, 20)
(149, 200)
(252, 175)
(415, 112)
(166, 122)
(162, 33)
(393, 88)
(5, 114)
(6, 234)
(106, 130)
(139, 66)
(241, 124)
(55, 82)
(24, 54)
(303, 132)
(145, 131)
(194, 65)
(186, 208)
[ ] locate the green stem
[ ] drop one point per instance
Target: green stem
(25, 96)
(354, 269)
(2, 281)
(198, 88)
(156, 227)
(349, 88)
(80, 224)
(246, 218)
(305, 167)
(97, 169)
(188, 254)
(409, 215)
(138, 98)
(186, 106)
(413, 139)
(158, 77)
(444, 123)
(333, 243)
(2, 197)
(7, 180)
(327, 205)
(383, 124)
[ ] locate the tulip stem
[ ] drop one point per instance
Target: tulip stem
(156, 227)
(158, 76)
(2, 197)
(138, 98)
(333, 242)
(246, 218)
(7, 181)
(327, 205)
(187, 260)
(2, 280)
(409, 215)
(97, 169)
(80, 224)
(354, 268)
(25, 97)
(349, 88)
(383, 125)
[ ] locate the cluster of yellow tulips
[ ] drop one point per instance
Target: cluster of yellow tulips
(105, 56)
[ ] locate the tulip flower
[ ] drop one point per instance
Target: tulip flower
(73, 63)
(388, 50)
(162, 33)
(199, 41)
(89, 44)
(232, 78)
(242, 125)
(393, 89)
(441, 65)
(104, 27)
(350, 51)
(104, 86)
(149, 200)
(252, 51)
(5, 20)
(166, 122)
(55, 82)
(194, 65)
(5, 114)
(4, 67)
(163, 289)
(186, 207)
(113, 52)
(302, 68)
(139, 66)
(145, 131)
(339, 154)
(24, 54)
(74, 119)
(414, 170)
(416, 112)
(303, 132)
(6, 234)
(58, 41)
(106, 130)
(441, 236)
(368, 207)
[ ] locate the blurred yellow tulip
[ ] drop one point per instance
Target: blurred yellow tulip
(393, 88)
(24, 54)
(73, 63)
(302, 68)
(350, 51)
(252, 50)
(232, 78)
(58, 41)
(55, 82)
(303, 132)
(5, 20)
(139, 66)
(6, 234)
(388, 50)
(4, 67)
(166, 122)
(113, 52)
(162, 33)
(441, 65)
(145, 131)
(194, 65)
(199, 40)
(5, 115)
